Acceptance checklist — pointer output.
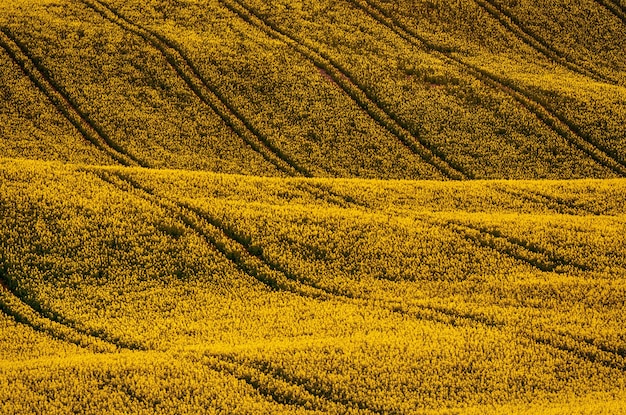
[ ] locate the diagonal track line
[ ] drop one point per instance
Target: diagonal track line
(326, 193)
(614, 8)
(553, 203)
(12, 306)
(238, 248)
(427, 152)
(256, 374)
(519, 250)
(523, 251)
(62, 102)
(584, 349)
(233, 247)
(539, 258)
(30, 313)
(207, 94)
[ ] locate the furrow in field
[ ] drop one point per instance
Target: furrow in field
(532, 255)
(298, 284)
(323, 192)
(518, 249)
(201, 87)
(281, 387)
(554, 203)
(498, 244)
(540, 109)
(517, 28)
(264, 385)
(249, 259)
(585, 350)
(31, 314)
(62, 102)
(344, 80)
(13, 307)
(129, 392)
(616, 9)
(446, 315)
(233, 247)
(617, 351)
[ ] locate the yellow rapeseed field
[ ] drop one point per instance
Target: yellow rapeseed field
(343, 207)
(134, 290)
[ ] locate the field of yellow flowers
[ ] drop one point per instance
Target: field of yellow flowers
(345, 207)
(134, 290)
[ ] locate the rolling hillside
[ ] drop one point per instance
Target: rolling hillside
(356, 206)
(411, 90)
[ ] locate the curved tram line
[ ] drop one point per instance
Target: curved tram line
(30, 313)
(614, 7)
(63, 103)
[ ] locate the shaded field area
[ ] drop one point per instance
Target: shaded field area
(353, 88)
(134, 290)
